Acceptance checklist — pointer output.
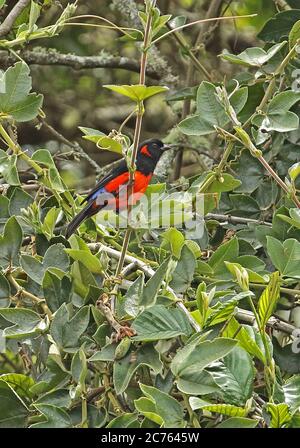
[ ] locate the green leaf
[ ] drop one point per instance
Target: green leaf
(102, 141)
(27, 323)
(147, 407)
(123, 421)
(67, 330)
(13, 411)
(56, 290)
(291, 391)
(132, 298)
(90, 261)
(58, 397)
(8, 168)
(4, 291)
(294, 172)
(279, 26)
(54, 417)
(244, 335)
(235, 376)
(225, 183)
(173, 239)
(280, 415)
(140, 296)
(294, 34)
(210, 113)
(137, 92)
(10, 242)
(238, 422)
(282, 102)
(20, 383)
(225, 409)
(18, 200)
(159, 322)
(189, 363)
(54, 258)
(124, 369)
(253, 56)
(183, 274)
(226, 252)
(170, 411)
(53, 179)
(50, 221)
(286, 256)
(17, 102)
(79, 367)
(268, 299)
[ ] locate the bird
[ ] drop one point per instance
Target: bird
(108, 188)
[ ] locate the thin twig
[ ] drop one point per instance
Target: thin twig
(236, 219)
(53, 57)
(7, 24)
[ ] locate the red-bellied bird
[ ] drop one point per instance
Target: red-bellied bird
(108, 189)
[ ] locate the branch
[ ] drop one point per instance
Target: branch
(7, 24)
(235, 219)
(249, 318)
(52, 57)
(147, 270)
(74, 145)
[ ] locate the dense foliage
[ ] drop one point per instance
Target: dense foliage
(153, 325)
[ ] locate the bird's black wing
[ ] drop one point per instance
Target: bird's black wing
(115, 172)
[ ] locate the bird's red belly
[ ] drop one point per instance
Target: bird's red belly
(119, 188)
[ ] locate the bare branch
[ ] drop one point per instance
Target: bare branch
(7, 24)
(52, 57)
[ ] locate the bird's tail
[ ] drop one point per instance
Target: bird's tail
(86, 212)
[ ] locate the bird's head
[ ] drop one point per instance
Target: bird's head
(151, 149)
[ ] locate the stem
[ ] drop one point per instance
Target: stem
(279, 181)
(179, 28)
(29, 295)
(18, 151)
(84, 410)
(137, 132)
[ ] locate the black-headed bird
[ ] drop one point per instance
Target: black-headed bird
(109, 191)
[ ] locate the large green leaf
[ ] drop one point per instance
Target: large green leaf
(235, 376)
(285, 256)
(291, 391)
(125, 368)
(165, 406)
(222, 408)
(280, 415)
(189, 363)
(183, 274)
(10, 242)
(16, 101)
(268, 299)
(55, 257)
(67, 330)
(56, 290)
(20, 383)
(137, 92)
(238, 422)
(226, 252)
(55, 417)
(4, 291)
(27, 323)
(253, 56)
(8, 168)
(159, 322)
(13, 411)
(279, 26)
